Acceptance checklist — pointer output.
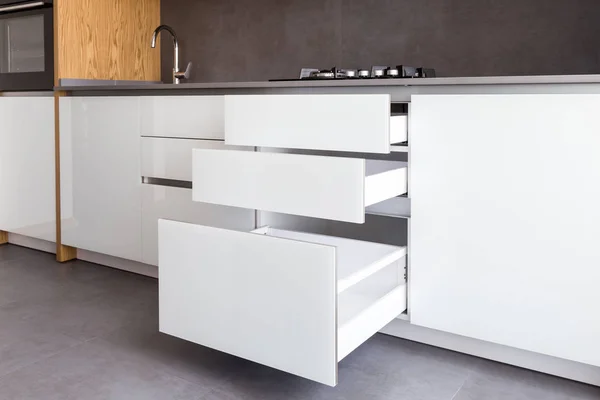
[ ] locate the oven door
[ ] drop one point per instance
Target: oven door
(26, 47)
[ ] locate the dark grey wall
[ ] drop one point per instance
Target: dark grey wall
(240, 40)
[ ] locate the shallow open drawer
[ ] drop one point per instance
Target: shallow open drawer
(275, 297)
(340, 122)
(333, 188)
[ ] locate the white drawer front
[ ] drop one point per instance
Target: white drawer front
(176, 203)
(172, 158)
(315, 186)
(356, 123)
(271, 297)
(199, 117)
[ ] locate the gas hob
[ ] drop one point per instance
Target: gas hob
(375, 72)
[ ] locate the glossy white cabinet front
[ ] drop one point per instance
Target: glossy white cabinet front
(176, 204)
(198, 117)
(27, 184)
(505, 220)
(100, 175)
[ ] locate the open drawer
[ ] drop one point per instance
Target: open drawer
(339, 122)
(293, 301)
(333, 188)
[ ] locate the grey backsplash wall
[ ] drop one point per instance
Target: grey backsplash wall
(249, 40)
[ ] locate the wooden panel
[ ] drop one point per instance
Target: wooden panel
(106, 39)
(63, 253)
(348, 122)
(3, 237)
(227, 290)
(505, 220)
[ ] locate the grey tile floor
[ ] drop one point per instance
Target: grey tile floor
(83, 331)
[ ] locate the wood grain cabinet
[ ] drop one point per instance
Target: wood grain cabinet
(106, 39)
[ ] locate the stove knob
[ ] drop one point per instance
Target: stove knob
(392, 73)
(379, 73)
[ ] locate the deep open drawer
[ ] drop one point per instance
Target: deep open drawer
(293, 301)
(335, 188)
(339, 122)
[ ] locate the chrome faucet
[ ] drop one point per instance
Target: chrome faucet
(177, 75)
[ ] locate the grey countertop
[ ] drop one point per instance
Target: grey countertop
(87, 85)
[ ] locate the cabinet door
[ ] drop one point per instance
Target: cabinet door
(27, 184)
(100, 175)
(505, 220)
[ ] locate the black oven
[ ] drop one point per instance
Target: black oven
(26, 45)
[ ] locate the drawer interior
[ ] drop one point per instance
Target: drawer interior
(370, 285)
(370, 305)
(384, 180)
(398, 129)
(356, 259)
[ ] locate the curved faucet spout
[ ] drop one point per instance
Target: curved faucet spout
(175, 48)
(164, 28)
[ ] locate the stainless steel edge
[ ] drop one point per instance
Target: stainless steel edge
(24, 6)
(166, 182)
(27, 94)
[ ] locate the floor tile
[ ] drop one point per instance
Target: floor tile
(23, 343)
(85, 319)
(9, 252)
(495, 381)
(95, 370)
(189, 361)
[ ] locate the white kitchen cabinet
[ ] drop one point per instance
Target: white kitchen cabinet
(199, 117)
(344, 122)
(168, 158)
(27, 169)
(100, 175)
(505, 220)
(335, 188)
(176, 204)
(294, 301)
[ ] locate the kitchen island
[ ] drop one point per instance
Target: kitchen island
(275, 197)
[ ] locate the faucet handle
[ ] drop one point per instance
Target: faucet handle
(188, 69)
(186, 74)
